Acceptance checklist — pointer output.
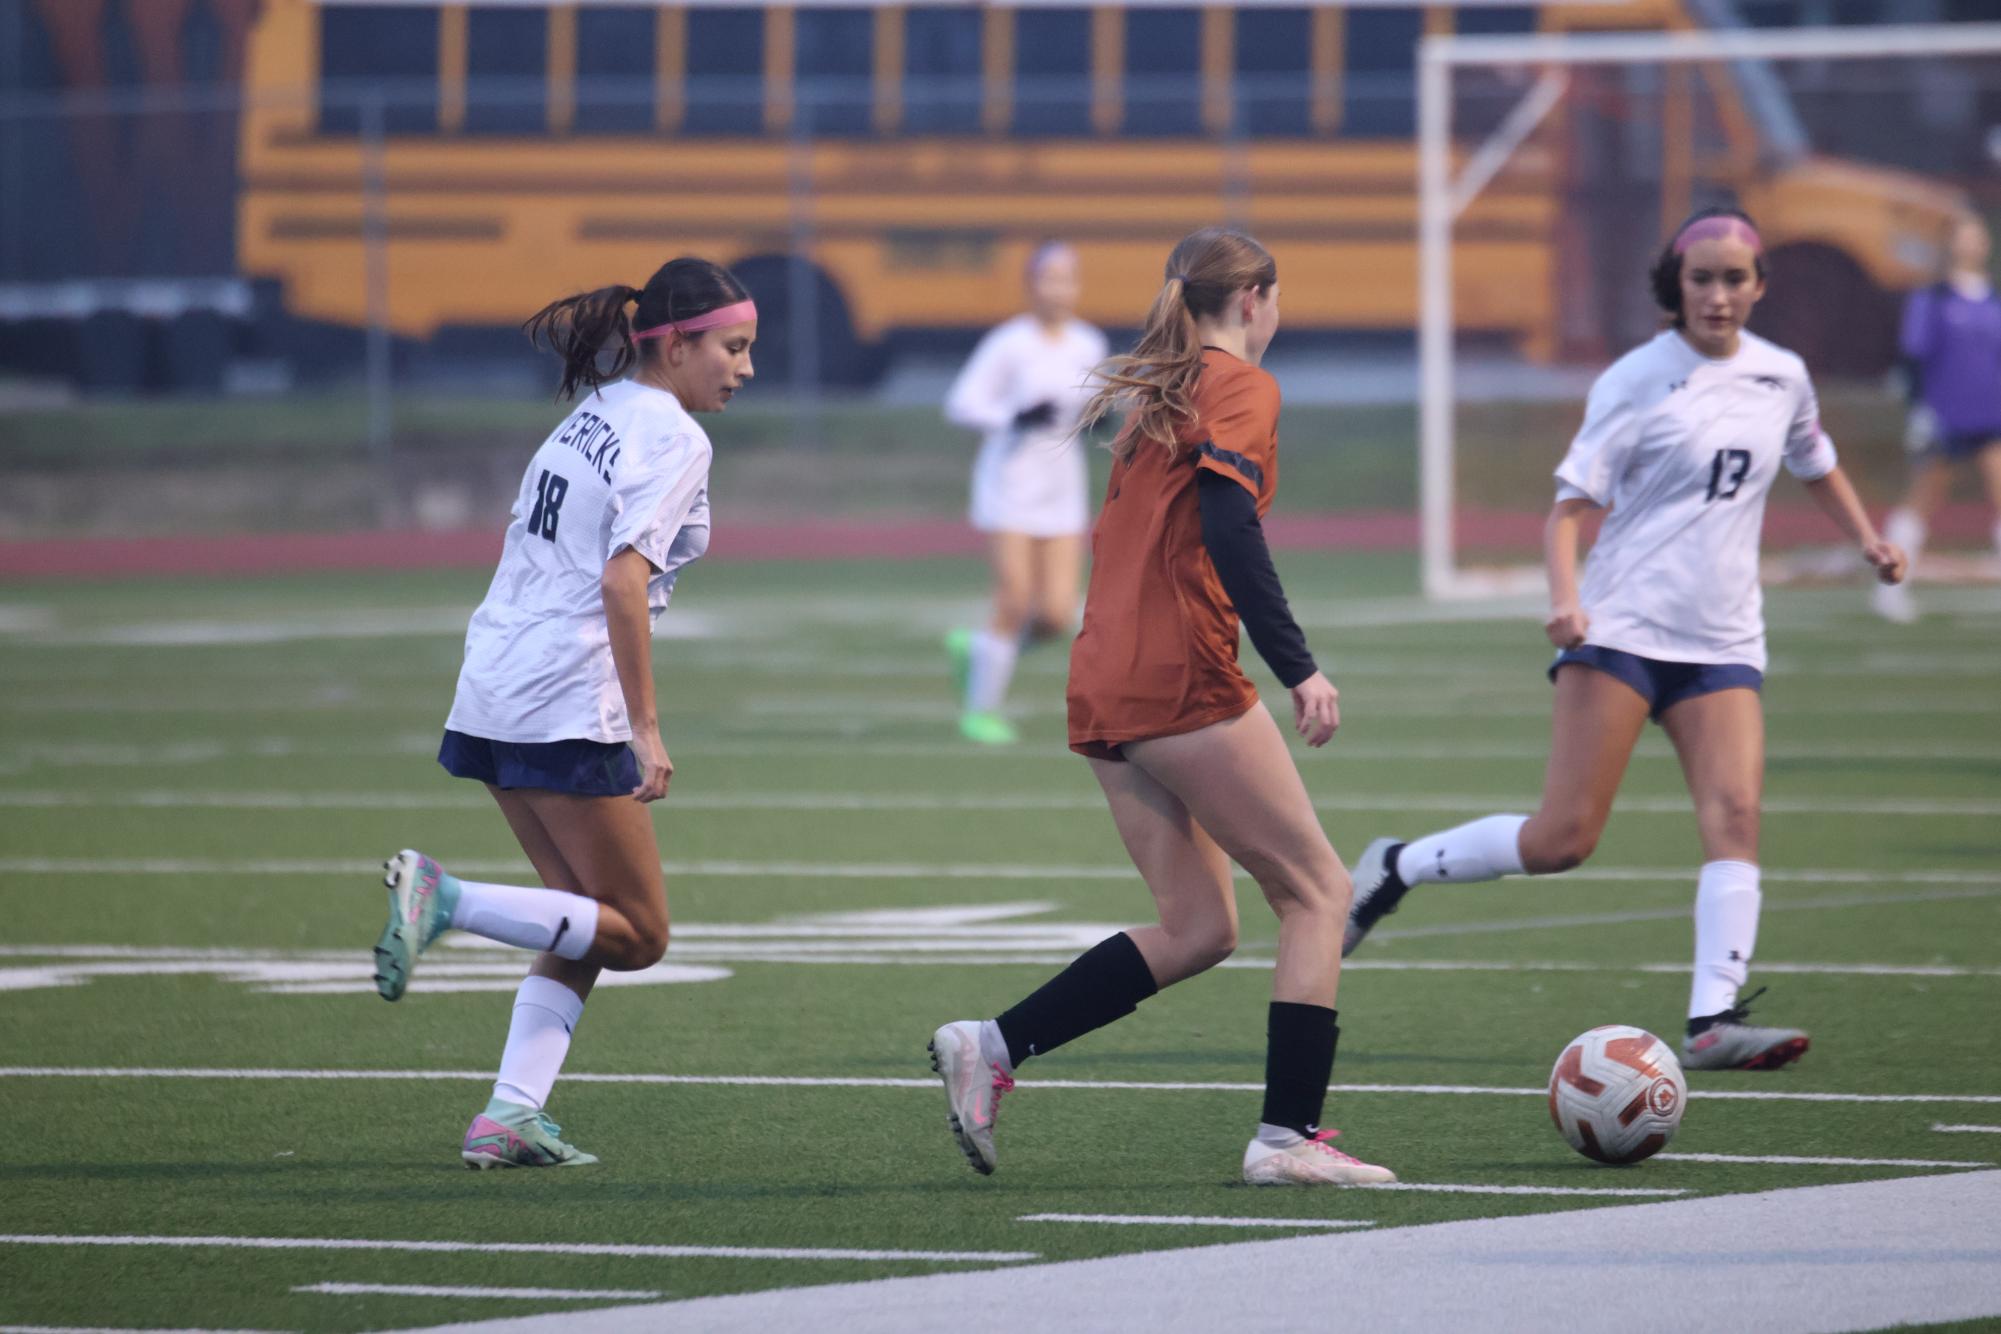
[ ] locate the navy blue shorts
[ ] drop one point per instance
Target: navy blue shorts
(1966, 444)
(577, 768)
(1662, 684)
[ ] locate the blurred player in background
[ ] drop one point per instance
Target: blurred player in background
(1682, 439)
(555, 709)
(1023, 390)
(1194, 768)
(1952, 342)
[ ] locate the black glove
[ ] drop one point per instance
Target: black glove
(1042, 414)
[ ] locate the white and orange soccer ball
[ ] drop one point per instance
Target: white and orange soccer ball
(1616, 1094)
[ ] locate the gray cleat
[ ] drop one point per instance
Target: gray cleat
(1731, 1044)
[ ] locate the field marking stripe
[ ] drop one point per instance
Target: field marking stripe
(1793, 1160)
(1945, 1129)
(516, 1294)
(845, 1081)
(620, 1249)
(270, 800)
(1192, 1220)
(272, 866)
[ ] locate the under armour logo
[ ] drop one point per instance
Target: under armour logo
(1677, 386)
(1736, 957)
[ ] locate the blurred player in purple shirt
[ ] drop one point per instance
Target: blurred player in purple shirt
(1952, 340)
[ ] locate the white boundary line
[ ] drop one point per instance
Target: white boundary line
(514, 1294)
(1192, 1220)
(802, 870)
(888, 1082)
(1944, 1129)
(1790, 1160)
(619, 1249)
(266, 799)
(1607, 1192)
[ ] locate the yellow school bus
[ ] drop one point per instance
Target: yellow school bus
(503, 153)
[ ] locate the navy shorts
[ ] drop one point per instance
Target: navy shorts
(1662, 684)
(1966, 444)
(576, 768)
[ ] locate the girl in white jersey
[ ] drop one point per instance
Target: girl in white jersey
(1682, 439)
(555, 709)
(1023, 390)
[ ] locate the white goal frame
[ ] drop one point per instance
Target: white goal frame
(1442, 197)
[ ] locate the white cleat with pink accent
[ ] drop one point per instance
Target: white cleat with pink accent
(974, 1087)
(1312, 1161)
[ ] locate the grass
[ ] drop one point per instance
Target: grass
(822, 684)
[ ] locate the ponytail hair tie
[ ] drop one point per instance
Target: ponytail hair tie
(1181, 278)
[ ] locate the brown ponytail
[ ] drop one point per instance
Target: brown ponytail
(1156, 381)
(579, 328)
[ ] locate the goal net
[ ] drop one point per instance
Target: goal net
(1553, 166)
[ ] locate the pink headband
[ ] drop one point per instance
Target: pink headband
(1719, 228)
(740, 313)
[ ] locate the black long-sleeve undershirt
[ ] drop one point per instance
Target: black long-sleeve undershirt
(1236, 543)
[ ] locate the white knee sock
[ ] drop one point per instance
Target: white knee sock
(1907, 530)
(1484, 849)
(545, 1015)
(531, 919)
(988, 672)
(1726, 930)
(1997, 537)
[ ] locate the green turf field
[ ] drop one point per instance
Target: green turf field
(196, 783)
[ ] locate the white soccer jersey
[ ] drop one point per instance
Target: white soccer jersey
(1033, 481)
(628, 468)
(1683, 451)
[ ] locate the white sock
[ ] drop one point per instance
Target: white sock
(988, 672)
(545, 1015)
(531, 919)
(1904, 528)
(1997, 537)
(1484, 849)
(1726, 930)
(993, 1047)
(1279, 1137)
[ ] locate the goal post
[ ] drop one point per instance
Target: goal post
(1551, 165)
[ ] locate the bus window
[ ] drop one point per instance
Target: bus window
(616, 48)
(507, 70)
(1379, 77)
(836, 52)
(1052, 71)
(725, 70)
(941, 71)
(1163, 81)
(388, 48)
(1506, 20)
(1274, 64)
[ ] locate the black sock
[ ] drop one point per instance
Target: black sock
(1105, 982)
(1299, 1061)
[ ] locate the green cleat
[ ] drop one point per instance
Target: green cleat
(989, 729)
(508, 1134)
(421, 899)
(959, 648)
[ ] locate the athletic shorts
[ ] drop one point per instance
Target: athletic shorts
(1965, 444)
(1662, 684)
(575, 768)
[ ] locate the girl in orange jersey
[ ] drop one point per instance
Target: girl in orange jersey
(1195, 769)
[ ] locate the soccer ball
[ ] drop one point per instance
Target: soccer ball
(1616, 1094)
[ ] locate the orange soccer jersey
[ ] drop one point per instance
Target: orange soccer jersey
(1158, 652)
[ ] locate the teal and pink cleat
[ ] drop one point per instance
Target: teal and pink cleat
(510, 1134)
(421, 899)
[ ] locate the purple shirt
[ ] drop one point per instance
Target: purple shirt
(1955, 343)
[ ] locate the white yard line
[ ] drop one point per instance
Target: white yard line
(890, 1082)
(1192, 1220)
(619, 1249)
(1945, 1129)
(512, 1294)
(1793, 1160)
(1606, 1192)
(266, 799)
